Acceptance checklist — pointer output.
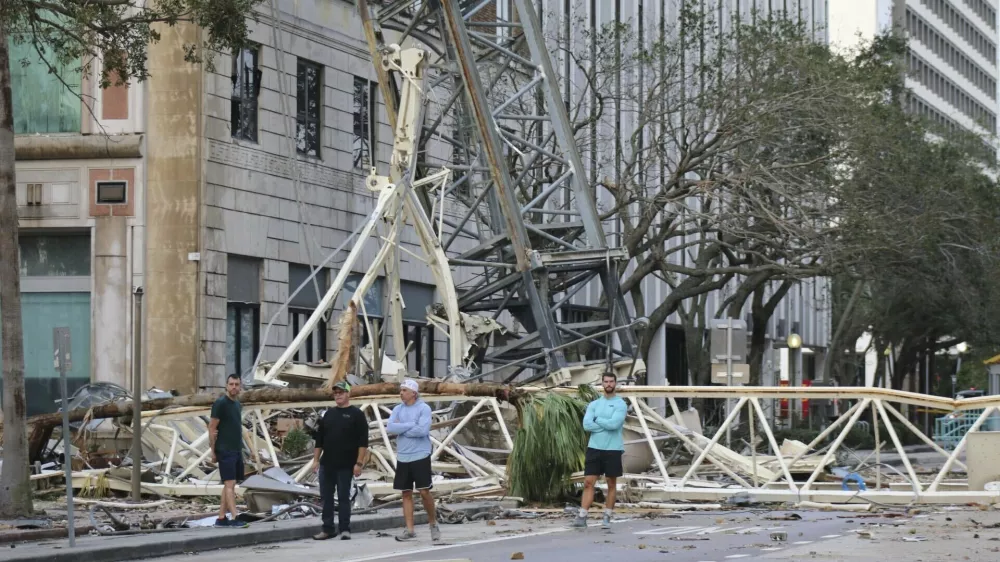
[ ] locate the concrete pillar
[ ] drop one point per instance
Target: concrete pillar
(656, 369)
(174, 93)
(110, 337)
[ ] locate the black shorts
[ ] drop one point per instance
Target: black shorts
(414, 474)
(230, 465)
(600, 462)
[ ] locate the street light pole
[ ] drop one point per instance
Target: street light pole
(794, 342)
(729, 379)
(137, 397)
(960, 348)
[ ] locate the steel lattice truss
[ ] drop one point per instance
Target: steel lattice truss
(494, 116)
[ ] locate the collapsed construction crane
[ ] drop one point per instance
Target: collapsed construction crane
(486, 170)
(483, 145)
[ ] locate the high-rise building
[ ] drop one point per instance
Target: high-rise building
(951, 55)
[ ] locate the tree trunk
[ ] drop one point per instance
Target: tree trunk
(758, 344)
(278, 396)
(15, 487)
(838, 333)
(760, 314)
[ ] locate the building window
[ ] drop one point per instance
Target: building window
(421, 354)
(55, 293)
(417, 297)
(365, 122)
(242, 336)
(301, 307)
(242, 314)
(314, 348)
(246, 87)
(309, 100)
(55, 256)
(44, 101)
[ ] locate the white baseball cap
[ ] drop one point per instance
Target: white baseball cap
(410, 384)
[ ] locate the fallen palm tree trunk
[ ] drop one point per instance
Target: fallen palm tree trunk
(42, 425)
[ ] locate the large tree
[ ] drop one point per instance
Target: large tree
(748, 158)
(925, 235)
(726, 158)
(77, 34)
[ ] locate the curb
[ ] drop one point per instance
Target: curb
(115, 549)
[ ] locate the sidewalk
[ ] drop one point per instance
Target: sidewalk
(135, 547)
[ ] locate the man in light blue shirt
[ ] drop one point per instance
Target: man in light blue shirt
(411, 423)
(604, 420)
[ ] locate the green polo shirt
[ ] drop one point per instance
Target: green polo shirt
(230, 415)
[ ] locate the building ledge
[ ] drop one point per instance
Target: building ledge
(77, 147)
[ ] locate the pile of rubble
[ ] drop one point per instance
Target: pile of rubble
(470, 435)
(471, 432)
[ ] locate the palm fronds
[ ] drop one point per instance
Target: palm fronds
(549, 446)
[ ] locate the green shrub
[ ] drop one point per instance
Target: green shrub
(295, 443)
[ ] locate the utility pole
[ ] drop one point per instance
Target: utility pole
(63, 363)
(137, 397)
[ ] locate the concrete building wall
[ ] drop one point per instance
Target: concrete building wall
(173, 97)
(266, 201)
(63, 199)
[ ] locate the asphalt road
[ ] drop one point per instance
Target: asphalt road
(689, 537)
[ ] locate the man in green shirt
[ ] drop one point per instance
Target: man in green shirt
(225, 435)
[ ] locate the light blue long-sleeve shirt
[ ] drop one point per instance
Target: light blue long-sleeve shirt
(604, 419)
(412, 426)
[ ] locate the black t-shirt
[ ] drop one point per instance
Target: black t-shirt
(230, 415)
(340, 434)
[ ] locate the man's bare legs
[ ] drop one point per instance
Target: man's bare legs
(408, 509)
(228, 500)
(589, 483)
(612, 488)
(609, 504)
(428, 500)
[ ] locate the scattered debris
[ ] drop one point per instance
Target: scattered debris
(779, 536)
(517, 556)
(686, 538)
(834, 506)
(785, 517)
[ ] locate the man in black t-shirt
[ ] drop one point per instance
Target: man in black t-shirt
(225, 436)
(342, 440)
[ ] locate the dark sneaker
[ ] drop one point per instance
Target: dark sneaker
(406, 536)
(221, 522)
(237, 524)
(323, 535)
